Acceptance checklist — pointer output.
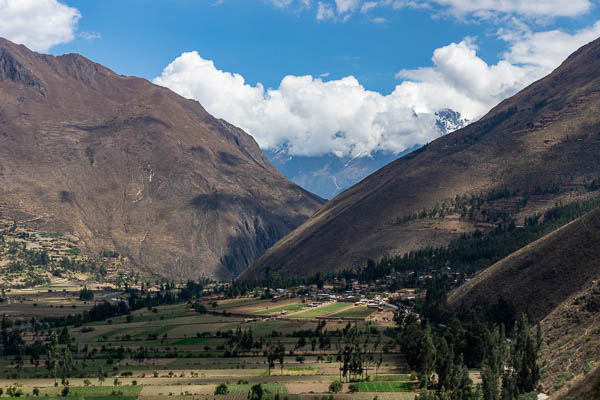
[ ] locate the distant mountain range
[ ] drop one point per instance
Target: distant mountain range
(328, 175)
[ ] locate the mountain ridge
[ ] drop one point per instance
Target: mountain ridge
(122, 164)
(544, 137)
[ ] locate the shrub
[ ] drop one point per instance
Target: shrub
(221, 389)
(256, 392)
(589, 367)
(200, 308)
(335, 386)
(36, 392)
(14, 391)
(65, 391)
(562, 379)
(353, 387)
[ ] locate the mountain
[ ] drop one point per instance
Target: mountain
(555, 280)
(328, 175)
(121, 164)
(532, 150)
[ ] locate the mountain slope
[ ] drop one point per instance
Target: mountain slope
(555, 280)
(540, 276)
(541, 145)
(122, 164)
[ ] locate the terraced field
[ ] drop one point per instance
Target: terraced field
(354, 312)
(384, 387)
(320, 311)
(287, 307)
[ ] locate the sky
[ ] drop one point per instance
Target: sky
(347, 77)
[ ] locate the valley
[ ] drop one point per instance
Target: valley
(151, 250)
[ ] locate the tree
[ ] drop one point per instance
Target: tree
(494, 354)
(66, 363)
(64, 337)
(272, 356)
(280, 352)
(52, 355)
(86, 294)
(335, 386)
(523, 373)
(256, 392)
(426, 355)
(221, 389)
(100, 376)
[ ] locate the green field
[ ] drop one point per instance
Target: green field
(321, 310)
(287, 307)
(270, 388)
(354, 312)
(392, 377)
(96, 391)
(233, 303)
(384, 387)
(191, 340)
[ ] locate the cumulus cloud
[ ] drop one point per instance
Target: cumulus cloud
(532, 8)
(541, 11)
(311, 116)
(344, 6)
(38, 24)
(325, 11)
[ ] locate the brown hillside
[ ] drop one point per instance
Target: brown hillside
(556, 280)
(541, 276)
(122, 164)
(544, 140)
(586, 389)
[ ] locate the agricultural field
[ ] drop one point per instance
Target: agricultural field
(174, 350)
(321, 311)
(354, 312)
(279, 309)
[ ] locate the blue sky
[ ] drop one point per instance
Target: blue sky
(347, 77)
(265, 43)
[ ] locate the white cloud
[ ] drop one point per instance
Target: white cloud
(368, 6)
(344, 6)
(313, 117)
(90, 35)
(533, 10)
(528, 8)
(38, 24)
(546, 49)
(280, 3)
(307, 114)
(325, 11)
